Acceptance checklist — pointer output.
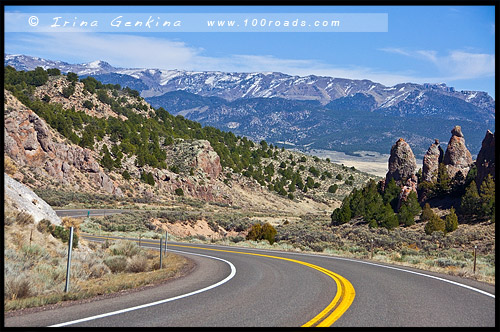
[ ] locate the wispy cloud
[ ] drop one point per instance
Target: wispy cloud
(456, 65)
(124, 50)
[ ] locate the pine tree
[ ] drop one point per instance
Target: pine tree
(443, 184)
(391, 194)
(427, 213)
(451, 221)
(471, 201)
(487, 197)
(434, 224)
(409, 209)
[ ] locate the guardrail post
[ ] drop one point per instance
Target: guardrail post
(68, 268)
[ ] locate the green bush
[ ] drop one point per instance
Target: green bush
(62, 233)
(434, 224)
(179, 192)
(262, 232)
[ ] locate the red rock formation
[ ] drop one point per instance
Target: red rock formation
(29, 141)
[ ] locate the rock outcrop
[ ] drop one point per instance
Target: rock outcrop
(30, 142)
(402, 168)
(402, 163)
(485, 162)
(432, 158)
(457, 157)
(195, 155)
(23, 199)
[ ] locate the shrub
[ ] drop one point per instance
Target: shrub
(427, 213)
(99, 270)
(9, 166)
(17, 287)
(333, 188)
(68, 91)
(61, 233)
(136, 264)
(68, 222)
(179, 192)
(44, 226)
(24, 218)
(262, 232)
(116, 263)
(125, 248)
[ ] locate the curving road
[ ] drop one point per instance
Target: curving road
(232, 286)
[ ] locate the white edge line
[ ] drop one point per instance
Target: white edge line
(229, 277)
(369, 263)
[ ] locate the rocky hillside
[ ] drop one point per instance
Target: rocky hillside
(80, 136)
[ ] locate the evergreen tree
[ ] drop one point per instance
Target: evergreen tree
(409, 209)
(434, 224)
(451, 221)
(487, 195)
(443, 184)
(106, 160)
(391, 194)
(341, 215)
(471, 201)
(427, 213)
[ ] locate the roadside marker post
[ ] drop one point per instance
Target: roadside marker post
(166, 237)
(475, 247)
(161, 251)
(371, 249)
(68, 268)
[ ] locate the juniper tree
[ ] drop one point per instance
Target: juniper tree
(451, 221)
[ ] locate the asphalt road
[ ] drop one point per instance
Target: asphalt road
(233, 286)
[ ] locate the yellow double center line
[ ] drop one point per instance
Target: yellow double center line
(340, 303)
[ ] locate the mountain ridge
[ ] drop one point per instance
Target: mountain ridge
(312, 111)
(324, 88)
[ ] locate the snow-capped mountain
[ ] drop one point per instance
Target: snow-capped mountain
(232, 86)
(315, 111)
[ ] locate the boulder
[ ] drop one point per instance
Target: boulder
(23, 199)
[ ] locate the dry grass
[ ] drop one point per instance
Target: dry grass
(35, 265)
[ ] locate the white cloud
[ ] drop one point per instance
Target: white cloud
(456, 65)
(122, 50)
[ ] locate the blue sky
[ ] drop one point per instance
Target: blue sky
(434, 44)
